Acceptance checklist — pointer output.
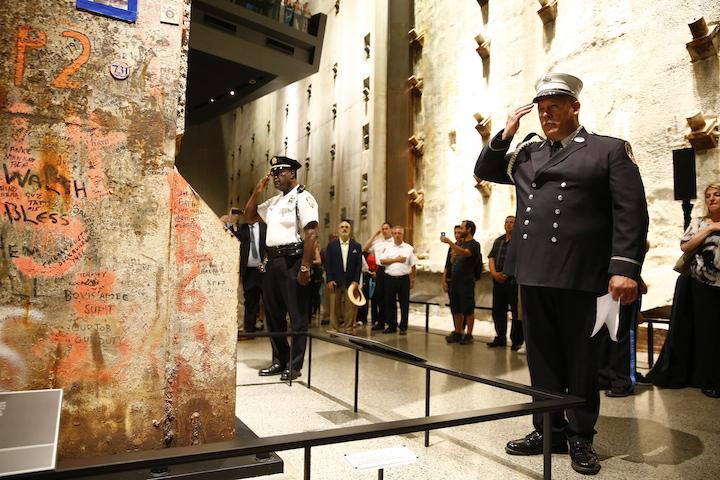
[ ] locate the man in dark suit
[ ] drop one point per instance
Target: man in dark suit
(343, 264)
(252, 251)
(580, 232)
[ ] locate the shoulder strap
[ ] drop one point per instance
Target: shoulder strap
(527, 141)
(300, 189)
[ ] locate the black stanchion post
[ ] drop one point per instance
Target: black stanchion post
(309, 369)
(307, 463)
(650, 344)
(357, 377)
(380, 474)
(290, 366)
(427, 317)
(547, 446)
(427, 404)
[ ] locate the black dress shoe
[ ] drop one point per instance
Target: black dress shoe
(711, 392)
(516, 346)
(390, 330)
(583, 458)
(497, 343)
(274, 369)
(403, 332)
(376, 328)
(532, 444)
(289, 375)
(619, 392)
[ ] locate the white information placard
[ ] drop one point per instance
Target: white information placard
(383, 458)
(29, 422)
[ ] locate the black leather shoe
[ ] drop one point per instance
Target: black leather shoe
(289, 375)
(619, 392)
(274, 369)
(390, 330)
(376, 328)
(711, 392)
(583, 458)
(516, 346)
(497, 343)
(403, 332)
(532, 444)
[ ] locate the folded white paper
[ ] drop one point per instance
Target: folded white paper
(608, 313)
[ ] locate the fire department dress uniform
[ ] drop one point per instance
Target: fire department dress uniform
(581, 218)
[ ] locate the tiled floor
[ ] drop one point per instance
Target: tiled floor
(656, 434)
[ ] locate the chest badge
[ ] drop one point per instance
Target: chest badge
(579, 139)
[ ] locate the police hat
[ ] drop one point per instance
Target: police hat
(557, 84)
(278, 163)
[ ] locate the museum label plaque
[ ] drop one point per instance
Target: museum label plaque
(29, 422)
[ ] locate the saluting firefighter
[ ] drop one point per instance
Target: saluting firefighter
(292, 219)
(579, 233)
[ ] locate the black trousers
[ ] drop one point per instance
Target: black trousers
(617, 359)
(283, 296)
(252, 290)
(505, 295)
(706, 316)
(561, 355)
(397, 289)
(380, 319)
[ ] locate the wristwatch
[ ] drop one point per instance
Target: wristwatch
(304, 268)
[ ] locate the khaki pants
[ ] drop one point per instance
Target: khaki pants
(342, 310)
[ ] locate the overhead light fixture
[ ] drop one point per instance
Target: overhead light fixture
(232, 92)
(212, 100)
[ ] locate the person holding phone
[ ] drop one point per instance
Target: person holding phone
(462, 282)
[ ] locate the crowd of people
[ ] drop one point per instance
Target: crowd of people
(579, 234)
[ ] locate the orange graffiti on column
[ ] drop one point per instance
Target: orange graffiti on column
(187, 234)
(24, 41)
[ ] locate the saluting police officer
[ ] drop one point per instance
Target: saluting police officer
(580, 232)
(291, 218)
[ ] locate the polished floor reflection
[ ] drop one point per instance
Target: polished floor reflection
(658, 434)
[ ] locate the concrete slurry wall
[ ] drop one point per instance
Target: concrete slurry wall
(114, 275)
(262, 127)
(639, 85)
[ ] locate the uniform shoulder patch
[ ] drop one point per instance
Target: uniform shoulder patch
(628, 150)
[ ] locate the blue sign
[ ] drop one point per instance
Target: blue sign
(121, 9)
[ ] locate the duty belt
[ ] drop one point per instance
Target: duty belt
(290, 250)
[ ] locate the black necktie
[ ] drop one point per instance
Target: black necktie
(555, 146)
(253, 247)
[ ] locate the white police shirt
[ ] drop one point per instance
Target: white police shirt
(379, 245)
(403, 250)
(281, 217)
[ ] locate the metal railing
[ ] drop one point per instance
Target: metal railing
(544, 402)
